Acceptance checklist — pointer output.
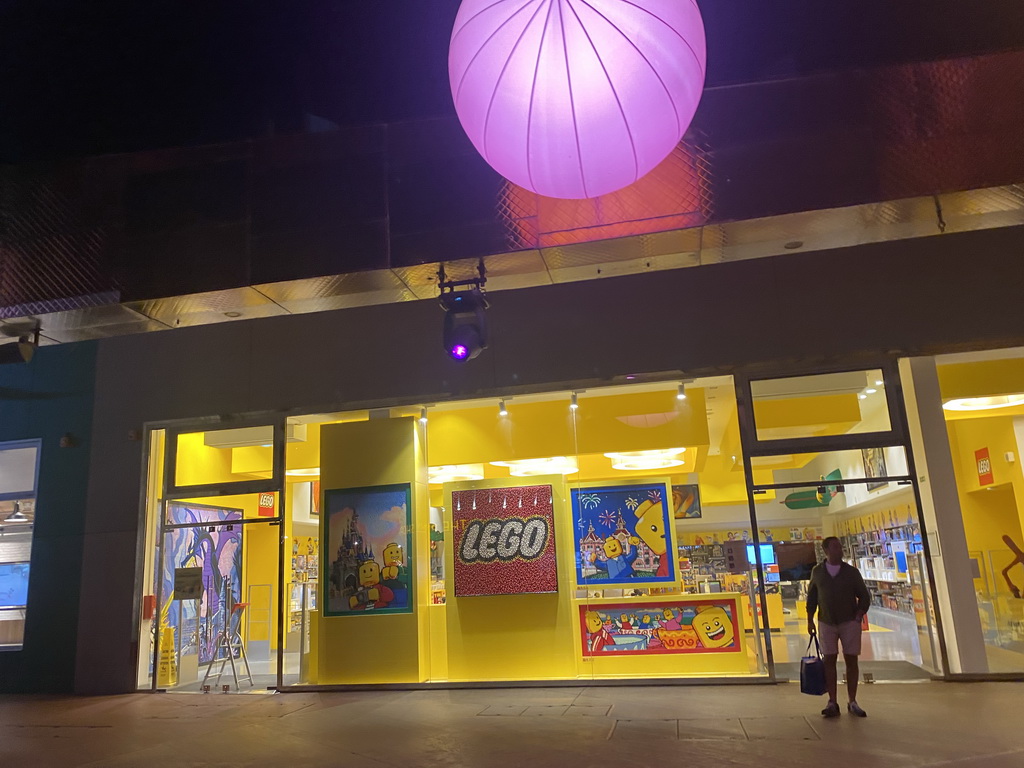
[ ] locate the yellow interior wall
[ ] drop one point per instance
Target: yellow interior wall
(992, 432)
(199, 464)
(988, 514)
(512, 637)
(822, 414)
(633, 422)
(384, 648)
(982, 379)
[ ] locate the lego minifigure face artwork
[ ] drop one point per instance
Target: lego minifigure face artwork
(714, 627)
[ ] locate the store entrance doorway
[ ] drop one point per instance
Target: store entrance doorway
(882, 539)
(212, 580)
(218, 597)
(827, 454)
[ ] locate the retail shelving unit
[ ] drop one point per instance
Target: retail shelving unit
(874, 553)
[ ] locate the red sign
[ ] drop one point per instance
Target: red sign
(984, 463)
(505, 541)
(268, 505)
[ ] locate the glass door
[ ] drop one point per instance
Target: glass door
(218, 596)
(212, 586)
(827, 455)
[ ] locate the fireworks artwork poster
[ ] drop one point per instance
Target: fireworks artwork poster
(623, 534)
(368, 550)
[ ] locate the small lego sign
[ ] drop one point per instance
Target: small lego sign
(984, 464)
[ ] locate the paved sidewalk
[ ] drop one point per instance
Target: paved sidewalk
(933, 725)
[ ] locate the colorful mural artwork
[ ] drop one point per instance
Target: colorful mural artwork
(217, 549)
(505, 541)
(623, 534)
(641, 629)
(368, 550)
(704, 538)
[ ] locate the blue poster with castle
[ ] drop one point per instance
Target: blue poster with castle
(368, 551)
(623, 535)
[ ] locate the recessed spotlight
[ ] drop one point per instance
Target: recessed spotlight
(878, 382)
(870, 390)
(639, 460)
(454, 473)
(307, 472)
(792, 245)
(862, 396)
(232, 314)
(553, 465)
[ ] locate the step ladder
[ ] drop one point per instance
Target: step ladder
(229, 640)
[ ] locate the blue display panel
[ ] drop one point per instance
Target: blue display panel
(767, 554)
(13, 585)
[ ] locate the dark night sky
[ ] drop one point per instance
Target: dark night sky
(82, 77)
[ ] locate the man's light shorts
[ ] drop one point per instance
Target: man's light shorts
(848, 633)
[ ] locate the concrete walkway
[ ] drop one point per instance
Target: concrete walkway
(974, 725)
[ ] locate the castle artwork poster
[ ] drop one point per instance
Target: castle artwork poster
(368, 550)
(623, 534)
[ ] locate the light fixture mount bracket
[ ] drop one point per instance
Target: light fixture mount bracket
(477, 283)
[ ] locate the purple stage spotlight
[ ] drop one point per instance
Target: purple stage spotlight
(465, 324)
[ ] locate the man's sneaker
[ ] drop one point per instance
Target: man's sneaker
(854, 709)
(832, 710)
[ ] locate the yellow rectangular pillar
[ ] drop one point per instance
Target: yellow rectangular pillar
(383, 648)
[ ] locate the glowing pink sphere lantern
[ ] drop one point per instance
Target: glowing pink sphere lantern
(576, 98)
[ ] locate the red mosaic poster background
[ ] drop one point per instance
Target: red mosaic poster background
(499, 547)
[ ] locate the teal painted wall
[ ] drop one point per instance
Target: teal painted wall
(46, 399)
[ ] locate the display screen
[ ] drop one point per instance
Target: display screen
(13, 585)
(796, 559)
(767, 554)
(901, 561)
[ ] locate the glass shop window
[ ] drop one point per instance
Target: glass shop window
(19, 469)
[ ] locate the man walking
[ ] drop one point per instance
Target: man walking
(837, 592)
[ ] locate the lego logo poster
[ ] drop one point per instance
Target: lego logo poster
(368, 551)
(645, 629)
(504, 541)
(984, 462)
(623, 534)
(268, 505)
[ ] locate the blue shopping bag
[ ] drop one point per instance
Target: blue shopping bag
(812, 670)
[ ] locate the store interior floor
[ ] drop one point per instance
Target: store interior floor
(908, 725)
(890, 649)
(891, 652)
